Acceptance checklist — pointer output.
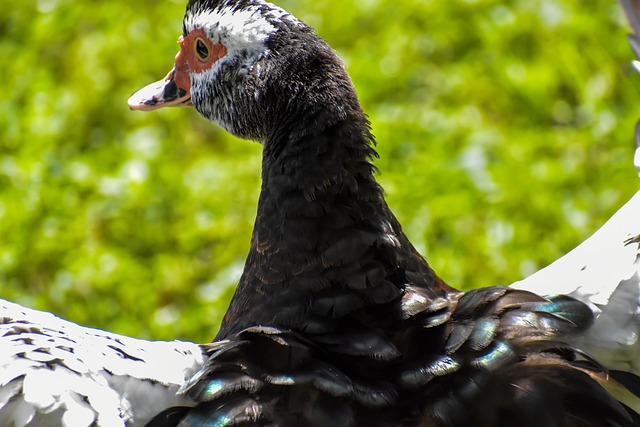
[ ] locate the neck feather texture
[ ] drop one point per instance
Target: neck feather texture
(326, 251)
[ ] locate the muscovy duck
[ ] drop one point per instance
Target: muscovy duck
(337, 320)
(58, 373)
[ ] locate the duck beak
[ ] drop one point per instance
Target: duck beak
(173, 91)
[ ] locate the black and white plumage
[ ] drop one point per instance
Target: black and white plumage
(56, 373)
(337, 320)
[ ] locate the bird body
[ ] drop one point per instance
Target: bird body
(337, 320)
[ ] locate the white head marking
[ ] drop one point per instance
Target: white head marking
(240, 29)
(217, 92)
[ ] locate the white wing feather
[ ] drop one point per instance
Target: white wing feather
(54, 372)
(603, 272)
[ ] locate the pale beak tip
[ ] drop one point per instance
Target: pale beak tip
(163, 93)
(146, 98)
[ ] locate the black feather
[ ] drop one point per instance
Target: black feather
(337, 320)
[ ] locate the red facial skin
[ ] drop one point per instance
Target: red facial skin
(188, 60)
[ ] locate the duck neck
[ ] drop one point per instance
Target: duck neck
(324, 244)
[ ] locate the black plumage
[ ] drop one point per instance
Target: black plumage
(337, 320)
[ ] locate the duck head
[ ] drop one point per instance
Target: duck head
(236, 65)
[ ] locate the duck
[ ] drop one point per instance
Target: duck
(108, 379)
(337, 319)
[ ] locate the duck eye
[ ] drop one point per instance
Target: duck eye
(202, 50)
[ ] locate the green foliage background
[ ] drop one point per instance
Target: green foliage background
(505, 130)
